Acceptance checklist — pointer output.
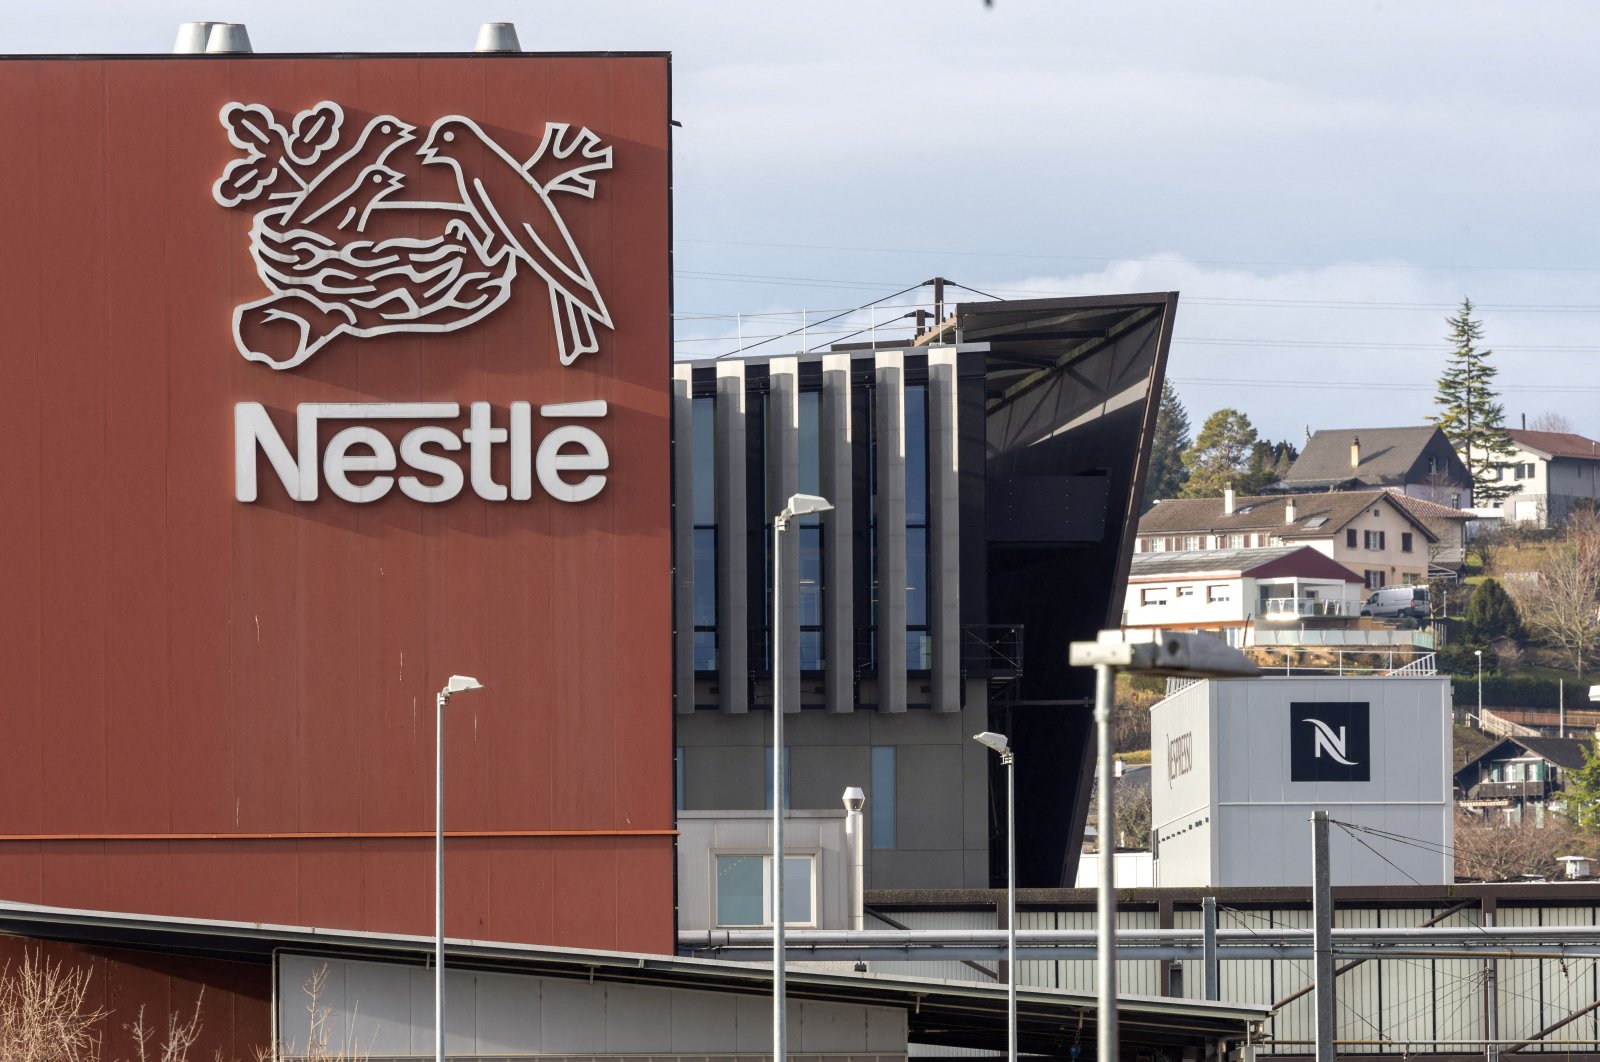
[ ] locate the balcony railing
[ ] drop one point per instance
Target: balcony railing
(1275, 608)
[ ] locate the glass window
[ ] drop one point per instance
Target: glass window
(1185, 591)
(1153, 595)
(741, 895)
(1350, 537)
(704, 573)
(744, 890)
(918, 643)
(704, 457)
(1219, 593)
(811, 597)
(880, 802)
(916, 445)
(1405, 542)
(919, 646)
(677, 775)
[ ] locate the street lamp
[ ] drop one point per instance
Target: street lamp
(1479, 654)
(457, 684)
(1002, 745)
(799, 505)
(1146, 652)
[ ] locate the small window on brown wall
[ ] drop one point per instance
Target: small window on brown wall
(1350, 537)
(1405, 542)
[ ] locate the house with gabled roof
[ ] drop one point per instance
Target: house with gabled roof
(1419, 462)
(1226, 590)
(1519, 771)
(1374, 533)
(1556, 470)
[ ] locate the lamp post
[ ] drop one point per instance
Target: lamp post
(1001, 744)
(799, 505)
(1479, 654)
(1146, 652)
(457, 684)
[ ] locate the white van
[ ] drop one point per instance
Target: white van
(1395, 601)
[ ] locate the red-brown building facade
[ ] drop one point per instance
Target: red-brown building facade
(251, 518)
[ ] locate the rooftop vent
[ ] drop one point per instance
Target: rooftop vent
(212, 38)
(498, 37)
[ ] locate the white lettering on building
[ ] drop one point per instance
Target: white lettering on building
(1324, 740)
(569, 462)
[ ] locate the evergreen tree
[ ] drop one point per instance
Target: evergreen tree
(1582, 790)
(1472, 418)
(1269, 463)
(1220, 456)
(1167, 473)
(1490, 614)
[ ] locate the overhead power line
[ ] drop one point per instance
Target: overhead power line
(1106, 259)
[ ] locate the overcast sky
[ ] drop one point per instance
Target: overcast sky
(1322, 182)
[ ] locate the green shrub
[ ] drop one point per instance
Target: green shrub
(1511, 691)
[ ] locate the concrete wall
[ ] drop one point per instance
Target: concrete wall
(703, 835)
(387, 1009)
(1238, 818)
(941, 780)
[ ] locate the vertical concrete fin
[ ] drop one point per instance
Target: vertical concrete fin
(838, 547)
(783, 466)
(733, 604)
(683, 538)
(944, 530)
(890, 513)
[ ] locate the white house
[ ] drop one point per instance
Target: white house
(1215, 590)
(1555, 469)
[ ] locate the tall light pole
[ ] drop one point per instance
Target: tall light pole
(1146, 652)
(799, 505)
(457, 684)
(1479, 654)
(1002, 745)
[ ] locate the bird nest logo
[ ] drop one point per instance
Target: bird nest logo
(346, 246)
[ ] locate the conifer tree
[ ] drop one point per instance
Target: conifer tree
(1470, 414)
(1167, 474)
(1220, 456)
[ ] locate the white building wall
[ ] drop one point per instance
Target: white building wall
(1256, 819)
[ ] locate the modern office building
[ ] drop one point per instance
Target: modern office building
(990, 474)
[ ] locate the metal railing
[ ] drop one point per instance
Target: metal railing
(1290, 607)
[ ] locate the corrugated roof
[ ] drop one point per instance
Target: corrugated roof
(1387, 454)
(1267, 512)
(1557, 444)
(1237, 561)
(951, 1013)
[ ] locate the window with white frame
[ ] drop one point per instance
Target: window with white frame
(1236, 542)
(1374, 578)
(744, 890)
(1372, 539)
(1153, 595)
(1191, 542)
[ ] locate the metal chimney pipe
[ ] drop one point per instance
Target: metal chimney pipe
(228, 38)
(192, 37)
(854, 801)
(498, 37)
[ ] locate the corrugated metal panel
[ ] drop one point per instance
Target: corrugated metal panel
(952, 970)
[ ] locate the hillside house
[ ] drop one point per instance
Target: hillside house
(1418, 462)
(1556, 470)
(1374, 533)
